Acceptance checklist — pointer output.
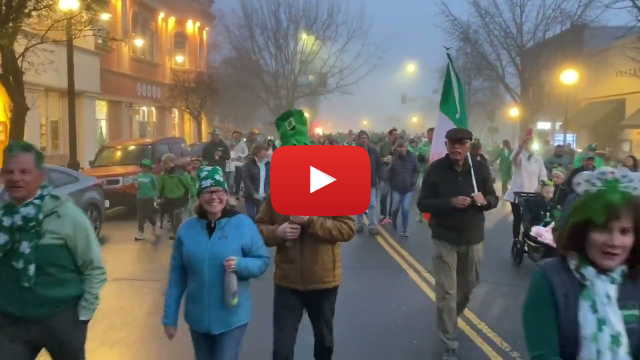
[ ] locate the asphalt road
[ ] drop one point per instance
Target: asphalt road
(385, 308)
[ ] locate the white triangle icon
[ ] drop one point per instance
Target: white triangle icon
(318, 179)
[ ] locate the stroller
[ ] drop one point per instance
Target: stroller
(532, 246)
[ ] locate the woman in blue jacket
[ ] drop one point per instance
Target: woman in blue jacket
(218, 239)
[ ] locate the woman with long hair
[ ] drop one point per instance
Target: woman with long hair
(631, 163)
(583, 304)
(208, 247)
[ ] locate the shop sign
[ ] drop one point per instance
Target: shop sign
(149, 91)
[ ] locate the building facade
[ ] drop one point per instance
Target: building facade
(603, 106)
(161, 38)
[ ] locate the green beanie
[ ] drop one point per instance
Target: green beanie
(292, 127)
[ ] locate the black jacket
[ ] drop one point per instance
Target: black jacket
(443, 182)
(403, 172)
(209, 154)
(536, 211)
(251, 177)
(377, 169)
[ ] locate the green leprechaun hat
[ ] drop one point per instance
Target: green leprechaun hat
(292, 127)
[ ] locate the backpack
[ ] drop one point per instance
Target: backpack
(566, 289)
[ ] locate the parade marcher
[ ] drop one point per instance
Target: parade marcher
(351, 139)
(560, 191)
(216, 152)
(377, 176)
(631, 163)
(528, 171)
(413, 146)
(147, 186)
(271, 147)
(174, 187)
(50, 261)
(238, 155)
(476, 151)
(424, 152)
(252, 139)
(457, 229)
(216, 241)
(305, 280)
(387, 149)
(589, 152)
(583, 304)
(559, 159)
(256, 177)
(504, 165)
(588, 164)
(402, 176)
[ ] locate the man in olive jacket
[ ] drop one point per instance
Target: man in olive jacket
(304, 279)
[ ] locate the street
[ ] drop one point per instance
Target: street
(385, 308)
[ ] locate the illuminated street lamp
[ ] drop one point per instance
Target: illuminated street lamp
(365, 122)
(70, 7)
(306, 114)
(514, 112)
(411, 68)
(414, 119)
(568, 77)
(138, 42)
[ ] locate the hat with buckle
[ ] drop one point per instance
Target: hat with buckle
(292, 128)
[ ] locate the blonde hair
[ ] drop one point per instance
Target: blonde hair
(168, 158)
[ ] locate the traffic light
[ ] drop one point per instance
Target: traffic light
(403, 99)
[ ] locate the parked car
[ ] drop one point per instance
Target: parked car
(117, 165)
(195, 149)
(86, 192)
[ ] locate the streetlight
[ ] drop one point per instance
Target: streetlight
(365, 122)
(414, 119)
(70, 7)
(411, 68)
(514, 112)
(568, 77)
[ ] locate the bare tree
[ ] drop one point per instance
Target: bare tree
(304, 48)
(194, 94)
(25, 25)
(497, 32)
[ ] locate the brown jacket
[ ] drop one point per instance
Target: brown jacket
(311, 262)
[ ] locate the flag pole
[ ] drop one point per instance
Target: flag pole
(473, 174)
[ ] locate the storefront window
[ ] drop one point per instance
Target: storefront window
(101, 119)
(175, 122)
(144, 121)
(50, 127)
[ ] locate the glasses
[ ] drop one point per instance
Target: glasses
(216, 193)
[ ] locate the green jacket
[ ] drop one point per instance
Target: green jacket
(69, 267)
(386, 149)
(147, 186)
(504, 164)
(175, 185)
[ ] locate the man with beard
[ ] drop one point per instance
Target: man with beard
(588, 164)
(457, 229)
(308, 268)
(559, 159)
(216, 152)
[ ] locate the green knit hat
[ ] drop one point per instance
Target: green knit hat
(292, 127)
(210, 176)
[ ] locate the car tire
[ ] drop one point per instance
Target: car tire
(95, 216)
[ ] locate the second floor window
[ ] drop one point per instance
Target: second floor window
(143, 36)
(179, 49)
(202, 53)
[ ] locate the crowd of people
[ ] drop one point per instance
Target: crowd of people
(582, 302)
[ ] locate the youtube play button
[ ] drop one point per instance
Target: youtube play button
(339, 181)
(318, 179)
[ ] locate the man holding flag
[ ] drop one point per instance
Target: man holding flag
(456, 191)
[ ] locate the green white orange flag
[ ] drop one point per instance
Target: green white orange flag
(453, 110)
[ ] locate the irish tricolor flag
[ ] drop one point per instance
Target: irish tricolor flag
(453, 110)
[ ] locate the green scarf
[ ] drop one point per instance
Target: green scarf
(20, 231)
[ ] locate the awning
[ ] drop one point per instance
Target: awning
(594, 112)
(632, 120)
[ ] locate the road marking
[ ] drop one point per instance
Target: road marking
(471, 316)
(429, 292)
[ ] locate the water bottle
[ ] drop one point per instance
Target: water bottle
(230, 289)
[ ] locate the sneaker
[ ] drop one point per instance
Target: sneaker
(139, 236)
(450, 354)
(359, 228)
(420, 218)
(404, 233)
(373, 231)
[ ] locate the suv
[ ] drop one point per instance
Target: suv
(117, 165)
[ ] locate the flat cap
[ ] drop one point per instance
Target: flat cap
(459, 134)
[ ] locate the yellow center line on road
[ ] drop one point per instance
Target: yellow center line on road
(471, 316)
(475, 337)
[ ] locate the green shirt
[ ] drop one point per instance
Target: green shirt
(540, 321)
(147, 186)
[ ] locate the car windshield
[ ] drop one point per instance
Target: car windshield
(122, 155)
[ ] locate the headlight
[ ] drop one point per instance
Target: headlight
(128, 180)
